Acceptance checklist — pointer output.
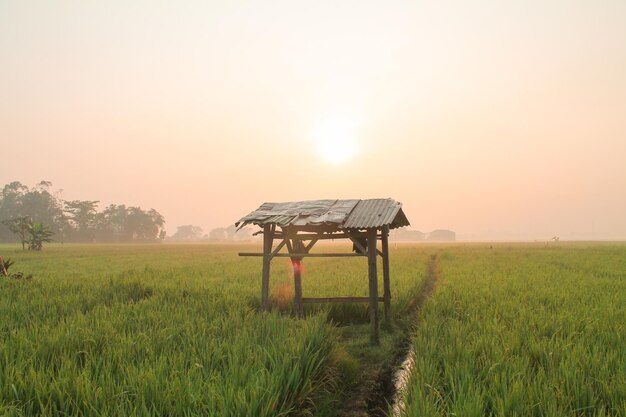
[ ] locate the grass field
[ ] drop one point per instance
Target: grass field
(172, 330)
(523, 330)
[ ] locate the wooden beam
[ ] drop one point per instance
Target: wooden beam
(267, 258)
(279, 247)
(338, 299)
(310, 245)
(316, 236)
(304, 255)
(320, 255)
(356, 243)
(309, 236)
(373, 284)
(289, 247)
(386, 280)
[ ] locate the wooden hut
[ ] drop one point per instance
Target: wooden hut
(299, 225)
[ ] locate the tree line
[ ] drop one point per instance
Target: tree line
(193, 233)
(38, 209)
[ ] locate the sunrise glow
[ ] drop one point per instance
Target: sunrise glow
(335, 139)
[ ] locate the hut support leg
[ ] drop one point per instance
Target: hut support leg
(373, 284)
(386, 281)
(298, 247)
(297, 284)
(267, 258)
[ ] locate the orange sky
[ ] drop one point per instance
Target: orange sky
(499, 120)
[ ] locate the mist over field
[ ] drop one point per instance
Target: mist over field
(497, 120)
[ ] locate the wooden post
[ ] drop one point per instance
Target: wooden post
(373, 281)
(297, 284)
(386, 282)
(298, 247)
(267, 253)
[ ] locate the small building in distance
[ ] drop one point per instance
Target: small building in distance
(442, 235)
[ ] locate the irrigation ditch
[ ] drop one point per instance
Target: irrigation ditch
(381, 386)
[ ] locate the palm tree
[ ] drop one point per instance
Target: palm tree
(39, 233)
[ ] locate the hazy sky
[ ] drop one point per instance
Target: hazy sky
(497, 119)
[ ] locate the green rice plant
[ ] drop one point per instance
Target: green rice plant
(174, 330)
(117, 331)
(121, 330)
(523, 330)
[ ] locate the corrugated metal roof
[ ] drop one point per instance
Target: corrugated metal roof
(342, 214)
(376, 212)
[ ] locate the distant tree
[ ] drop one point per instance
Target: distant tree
(144, 226)
(39, 233)
(111, 224)
(41, 205)
(17, 200)
(442, 235)
(217, 234)
(19, 226)
(82, 218)
(158, 225)
(35, 234)
(10, 207)
(135, 225)
(118, 223)
(74, 220)
(244, 234)
(188, 232)
(230, 232)
(405, 235)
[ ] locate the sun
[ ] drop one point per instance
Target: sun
(335, 139)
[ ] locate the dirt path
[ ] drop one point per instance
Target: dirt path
(378, 384)
(429, 285)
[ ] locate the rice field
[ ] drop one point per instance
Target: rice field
(170, 330)
(173, 330)
(523, 330)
